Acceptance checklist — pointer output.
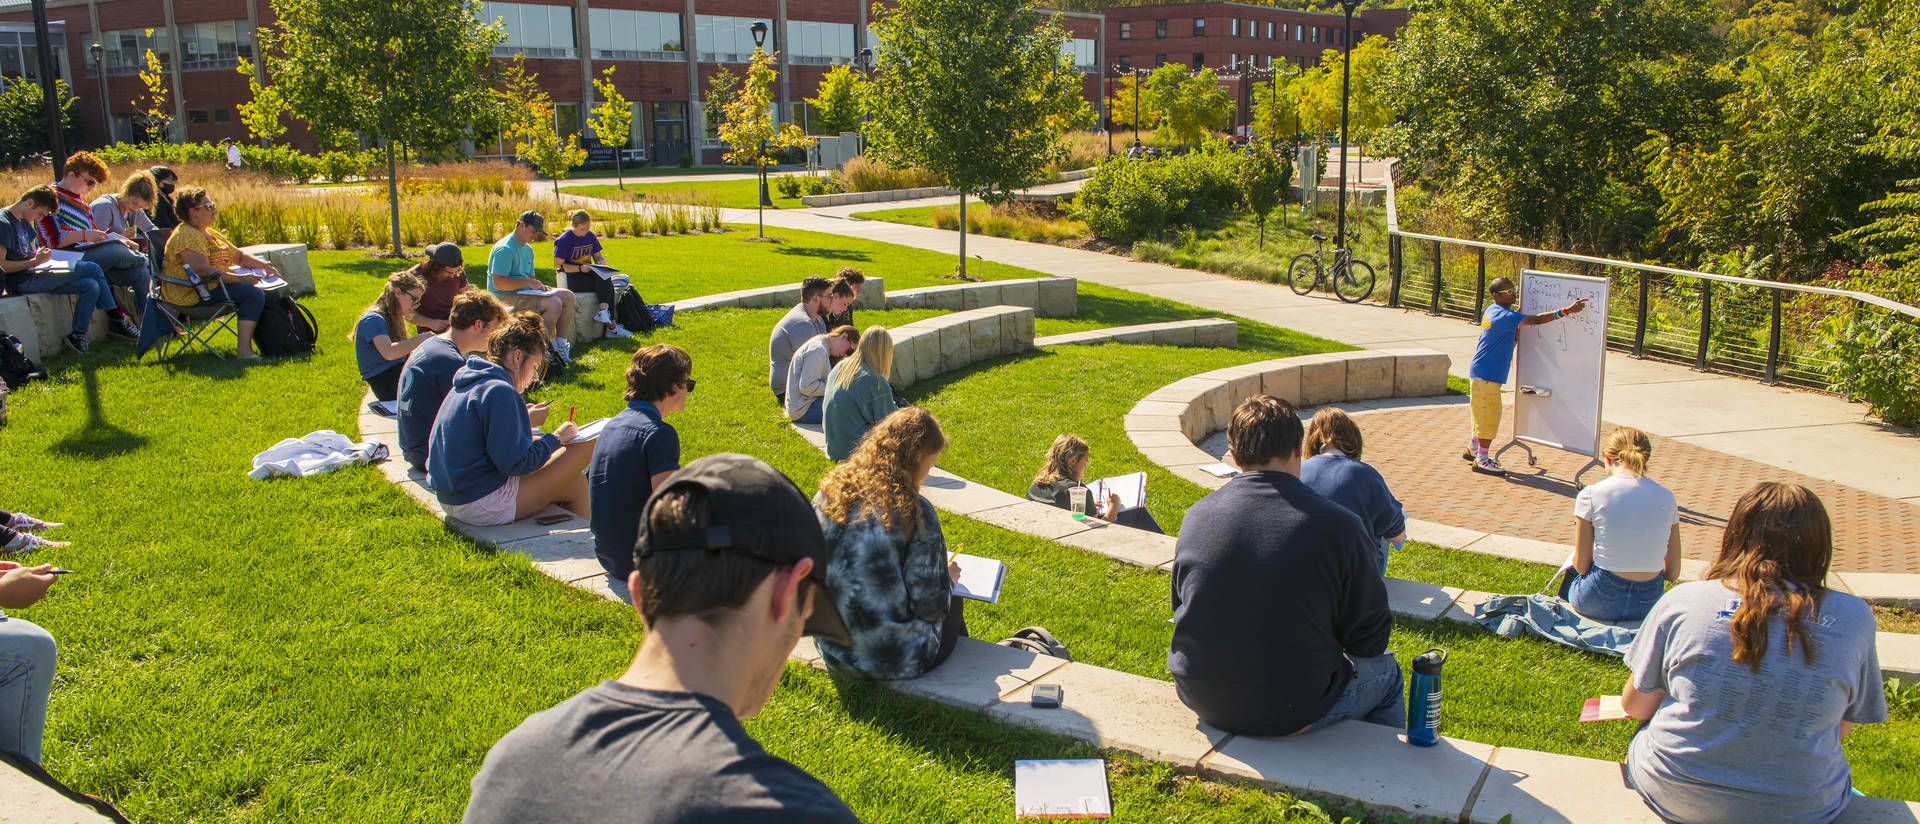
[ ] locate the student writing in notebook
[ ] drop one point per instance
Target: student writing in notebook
(1065, 469)
(637, 451)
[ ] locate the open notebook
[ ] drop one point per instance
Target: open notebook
(1061, 788)
(1131, 488)
(589, 431)
(980, 578)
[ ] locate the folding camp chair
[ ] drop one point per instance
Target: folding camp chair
(183, 326)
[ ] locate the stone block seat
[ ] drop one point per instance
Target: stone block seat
(41, 320)
(1047, 297)
(1202, 332)
(873, 296)
(945, 343)
(291, 260)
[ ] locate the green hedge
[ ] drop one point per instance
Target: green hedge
(1133, 199)
(283, 162)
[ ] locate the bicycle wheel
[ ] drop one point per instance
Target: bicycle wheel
(1303, 274)
(1354, 281)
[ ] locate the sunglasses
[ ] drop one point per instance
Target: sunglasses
(690, 384)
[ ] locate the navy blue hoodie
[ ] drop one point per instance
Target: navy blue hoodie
(423, 386)
(482, 436)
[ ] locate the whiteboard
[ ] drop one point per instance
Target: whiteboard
(1561, 366)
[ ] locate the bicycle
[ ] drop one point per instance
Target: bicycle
(1351, 280)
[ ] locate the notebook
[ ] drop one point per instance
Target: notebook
(589, 431)
(388, 408)
(1604, 708)
(59, 262)
(1061, 788)
(265, 279)
(1132, 489)
(980, 578)
(1219, 470)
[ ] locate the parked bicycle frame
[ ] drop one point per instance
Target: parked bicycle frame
(1350, 279)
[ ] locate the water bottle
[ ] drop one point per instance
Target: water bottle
(1423, 698)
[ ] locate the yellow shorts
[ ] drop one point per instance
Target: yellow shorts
(1486, 409)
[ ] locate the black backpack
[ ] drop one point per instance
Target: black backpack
(631, 312)
(15, 367)
(285, 328)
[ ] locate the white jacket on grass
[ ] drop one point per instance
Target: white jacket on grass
(314, 453)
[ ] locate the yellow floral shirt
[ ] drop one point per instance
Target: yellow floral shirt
(215, 246)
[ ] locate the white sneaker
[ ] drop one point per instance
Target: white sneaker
(618, 331)
(563, 348)
(602, 317)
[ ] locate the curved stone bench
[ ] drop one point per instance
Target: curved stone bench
(1202, 332)
(873, 296)
(1047, 297)
(926, 348)
(40, 320)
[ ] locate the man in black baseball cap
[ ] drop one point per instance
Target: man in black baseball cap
(728, 571)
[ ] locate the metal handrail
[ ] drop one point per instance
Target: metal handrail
(1393, 230)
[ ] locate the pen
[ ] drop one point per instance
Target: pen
(569, 414)
(60, 571)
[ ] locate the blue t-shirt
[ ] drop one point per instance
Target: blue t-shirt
(576, 249)
(511, 259)
(371, 325)
(17, 239)
(635, 446)
(1359, 488)
(1493, 356)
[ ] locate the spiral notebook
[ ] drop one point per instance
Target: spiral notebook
(1061, 788)
(980, 578)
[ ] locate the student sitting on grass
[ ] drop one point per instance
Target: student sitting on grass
(1749, 680)
(379, 343)
(1334, 470)
(727, 577)
(196, 245)
(807, 377)
(854, 281)
(26, 661)
(573, 253)
(858, 395)
(484, 466)
(796, 327)
(1627, 537)
(637, 451)
(428, 375)
(84, 280)
(1066, 468)
(18, 532)
(1280, 620)
(887, 567)
(444, 273)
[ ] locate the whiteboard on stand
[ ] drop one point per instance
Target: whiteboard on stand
(1561, 366)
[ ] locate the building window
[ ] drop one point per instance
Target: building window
(536, 31)
(1160, 29)
(1199, 61)
(20, 53)
(618, 34)
(726, 39)
(196, 115)
(1081, 52)
(1233, 27)
(1159, 60)
(1126, 63)
(220, 116)
(127, 50)
(1299, 33)
(1253, 29)
(213, 45)
(566, 118)
(1126, 30)
(818, 44)
(1269, 29)
(1233, 60)
(1199, 27)
(1316, 34)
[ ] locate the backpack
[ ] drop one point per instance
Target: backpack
(662, 315)
(631, 312)
(285, 328)
(1038, 641)
(15, 367)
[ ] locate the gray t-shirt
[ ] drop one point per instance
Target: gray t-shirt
(1729, 745)
(794, 329)
(621, 753)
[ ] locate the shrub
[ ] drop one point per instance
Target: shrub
(1130, 199)
(863, 175)
(1874, 354)
(789, 186)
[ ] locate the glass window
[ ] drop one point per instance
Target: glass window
(1160, 28)
(1233, 27)
(1199, 61)
(1269, 29)
(1316, 34)
(1159, 60)
(600, 35)
(1126, 63)
(534, 29)
(1297, 35)
(1126, 30)
(1199, 27)
(1233, 60)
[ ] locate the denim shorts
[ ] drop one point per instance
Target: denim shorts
(1604, 596)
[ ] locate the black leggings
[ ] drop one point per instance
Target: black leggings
(583, 282)
(386, 385)
(951, 630)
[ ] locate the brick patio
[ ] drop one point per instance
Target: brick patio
(1418, 451)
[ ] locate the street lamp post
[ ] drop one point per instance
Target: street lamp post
(99, 53)
(1136, 107)
(759, 30)
(866, 69)
(1346, 63)
(1106, 109)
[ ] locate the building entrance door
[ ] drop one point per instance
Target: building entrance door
(669, 133)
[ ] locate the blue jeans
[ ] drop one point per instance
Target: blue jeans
(1374, 695)
(26, 679)
(248, 299)
(87, 283)
(812, 415)
(124, 267)
(1604, 596)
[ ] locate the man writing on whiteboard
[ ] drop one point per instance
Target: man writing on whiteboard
(1492, 359)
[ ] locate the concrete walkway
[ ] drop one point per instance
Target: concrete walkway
(1806, 432)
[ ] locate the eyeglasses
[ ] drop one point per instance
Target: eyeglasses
(690, 384)
(89, 181)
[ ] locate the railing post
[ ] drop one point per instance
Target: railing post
(1433, 302)
(1773, 344)
(1706, 325)
(1533, 261)
(1480, 292)
(1393, 271)
(1640, 319)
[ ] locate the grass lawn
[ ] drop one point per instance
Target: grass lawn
(323, 650)
(733, 194)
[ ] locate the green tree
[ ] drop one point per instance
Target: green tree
(156, 113)
(749, 131)
(538, 141)
(1274, 114)
(612, 122)
(1192, 104)
(412, 72)
(1128, 95)
(265, 111)
(1526, 115)
(722, 85)
(837, 104)
(974, 91)
(1264, 176)
(23, 121)
(1367, 109)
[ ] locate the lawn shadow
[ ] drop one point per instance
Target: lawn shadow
(97, 438)
(829, 254)
(938, 383)
(961, 739)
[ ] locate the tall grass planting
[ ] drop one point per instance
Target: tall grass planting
(1019, 220)
(863, 174)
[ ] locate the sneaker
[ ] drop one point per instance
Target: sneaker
(28, 542)
(1486, 465)
(563, 348)
(28, 523)
(76, 342)
(602, 317)
(123, 328)
(618, 331)
(1466, 455)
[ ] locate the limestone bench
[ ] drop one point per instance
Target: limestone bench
(291, 260)
(872, 296)
(944, 343)
(1202, 332)
(41, 320)
(1048, 297)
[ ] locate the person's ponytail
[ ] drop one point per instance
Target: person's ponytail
(1629, 449)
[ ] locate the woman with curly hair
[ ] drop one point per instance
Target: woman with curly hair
(380, 340)
(1748, 680)
(887, 567)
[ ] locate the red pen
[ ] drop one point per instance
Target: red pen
(569, 414)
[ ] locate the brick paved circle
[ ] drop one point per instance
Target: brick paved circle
(1418, 451)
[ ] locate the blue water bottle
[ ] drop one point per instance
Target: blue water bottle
(1423, 698)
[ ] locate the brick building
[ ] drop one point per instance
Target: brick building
(662, 53)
